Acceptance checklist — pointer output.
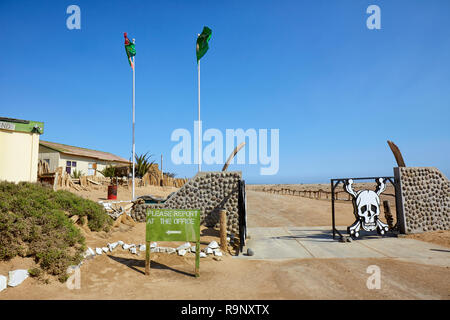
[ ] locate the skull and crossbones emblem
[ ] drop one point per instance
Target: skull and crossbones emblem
(366, 204)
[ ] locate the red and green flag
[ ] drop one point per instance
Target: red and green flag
(129, 49)
(202, 42)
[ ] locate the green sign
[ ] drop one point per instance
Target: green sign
(172, 225)
(21, 125)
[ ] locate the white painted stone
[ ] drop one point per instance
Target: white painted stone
(193, 249)
(120, 243)
(182, 252)
(92, 252)
(171, 250)
(202, 255)
(3, 282)
(218, 253)
(208, 250)
(16, 277)
(113, 245)
(126, 246)
(184, 246)
(87, 253)
(213, 245)
(99, 251)
(105, 249)
(142, 247)
(153, 244)
(133, 250)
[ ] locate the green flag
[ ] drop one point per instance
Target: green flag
(129, 49)
(202, 42)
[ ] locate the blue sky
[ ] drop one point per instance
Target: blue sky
(312, 69)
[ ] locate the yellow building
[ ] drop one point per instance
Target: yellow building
(71, 158)
(19, 146)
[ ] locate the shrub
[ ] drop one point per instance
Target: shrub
(142, 164)
(35, 272)
(109, 171)
(34, 222)
(77, 174)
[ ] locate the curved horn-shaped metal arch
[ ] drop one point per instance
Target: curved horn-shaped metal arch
(236, 150)
(348, 187)
(380, 187)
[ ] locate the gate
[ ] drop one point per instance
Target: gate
(366, 205)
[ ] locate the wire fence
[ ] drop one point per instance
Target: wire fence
(313, 194)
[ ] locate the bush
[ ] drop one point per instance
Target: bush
(35, 272)
(34, 221)
(77, 174)
(109, 171)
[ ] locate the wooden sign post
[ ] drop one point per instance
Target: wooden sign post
(172, 225)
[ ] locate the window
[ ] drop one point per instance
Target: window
(91, 170)
(70, 165)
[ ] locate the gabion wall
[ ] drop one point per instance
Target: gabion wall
(207, 191)
(424, 199)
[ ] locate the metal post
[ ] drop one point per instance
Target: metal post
(332, 208)
(134, 68)
(199, 137)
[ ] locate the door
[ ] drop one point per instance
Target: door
(91, 170)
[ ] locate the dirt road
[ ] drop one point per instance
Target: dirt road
(273, 210)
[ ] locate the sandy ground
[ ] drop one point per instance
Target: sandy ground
(273, 210)
(120, 275)
(388, 194)
(438, 237)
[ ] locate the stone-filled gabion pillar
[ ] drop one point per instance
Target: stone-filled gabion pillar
(207, 191)
(424, 200)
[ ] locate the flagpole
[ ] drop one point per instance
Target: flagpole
(199, 134)
(134, 68)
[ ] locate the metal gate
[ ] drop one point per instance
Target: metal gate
(346, 182)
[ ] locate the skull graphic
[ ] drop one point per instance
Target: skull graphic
(366, 205)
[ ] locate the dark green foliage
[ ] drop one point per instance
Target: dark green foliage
(35, 272)
(34, 222)
(77, 174)
(109, 171)
(142, 164)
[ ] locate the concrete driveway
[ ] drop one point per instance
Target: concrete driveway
(317, 242)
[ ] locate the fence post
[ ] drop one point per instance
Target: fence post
(223, 230)
(388, 214)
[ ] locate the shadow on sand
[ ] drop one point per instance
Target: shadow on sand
(134, 264)
(327, 235)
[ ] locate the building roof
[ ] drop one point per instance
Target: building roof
(82, 152)
(21, 125)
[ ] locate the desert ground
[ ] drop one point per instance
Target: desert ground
(120, 274)
(100, 193)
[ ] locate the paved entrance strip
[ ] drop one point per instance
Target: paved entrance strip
(317, 242)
